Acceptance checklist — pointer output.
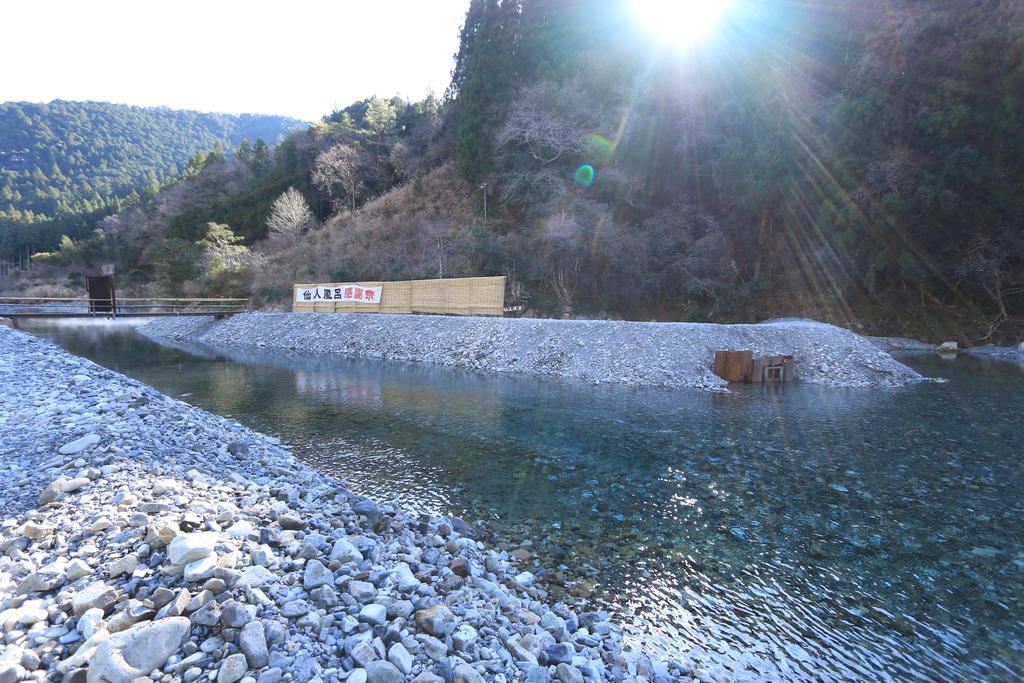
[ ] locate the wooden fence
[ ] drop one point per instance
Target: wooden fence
(451, 296)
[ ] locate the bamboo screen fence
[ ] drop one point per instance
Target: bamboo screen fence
(451, 296)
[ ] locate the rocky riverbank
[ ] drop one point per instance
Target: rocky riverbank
(643, 354)
(143, 538)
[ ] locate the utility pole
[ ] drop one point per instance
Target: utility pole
(483, 186)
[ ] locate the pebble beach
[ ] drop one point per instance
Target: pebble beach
(145, 539)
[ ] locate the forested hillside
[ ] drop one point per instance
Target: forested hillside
(63, 165)
(855, 162)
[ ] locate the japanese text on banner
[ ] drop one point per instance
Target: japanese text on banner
(338, 292)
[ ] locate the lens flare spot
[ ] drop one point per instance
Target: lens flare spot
(598, 149)
(584, 175)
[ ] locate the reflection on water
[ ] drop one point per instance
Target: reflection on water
(780, 532)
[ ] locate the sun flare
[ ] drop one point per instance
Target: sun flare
(680, 22)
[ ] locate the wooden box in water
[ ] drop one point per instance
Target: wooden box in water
(734, 366)
(741, 366)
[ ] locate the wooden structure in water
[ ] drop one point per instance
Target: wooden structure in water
(741, 366)
(99, 289)
(444, 296)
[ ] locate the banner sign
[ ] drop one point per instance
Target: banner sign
(338, 292)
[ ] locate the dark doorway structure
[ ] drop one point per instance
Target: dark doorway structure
(100, 289)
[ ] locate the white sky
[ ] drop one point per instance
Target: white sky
(299, 58)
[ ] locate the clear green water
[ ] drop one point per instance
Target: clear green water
(783, 533)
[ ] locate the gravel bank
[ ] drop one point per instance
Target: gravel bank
(1010, 354)
(143, 538)
(647, 354)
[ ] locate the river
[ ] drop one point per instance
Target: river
(788, 532)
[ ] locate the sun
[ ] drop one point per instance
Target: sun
(680, 22)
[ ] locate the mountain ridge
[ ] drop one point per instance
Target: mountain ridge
(66, 163)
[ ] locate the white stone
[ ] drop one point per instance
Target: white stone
(346, 553)
(525, 579)
(406, 580)
(73, 485)
(253, 577)
(79, 445)
(123, 565)
(87, 622)
(374, 614)
(200, 570)
(162, 486)
(240, 529)
(464, 637)
(78, 568)
(187, 548)
(35, 531)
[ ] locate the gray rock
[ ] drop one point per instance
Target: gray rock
(537, 674)
(235, 615)
(374, 614)
(363, 591)
(316, 575)
(434, 648)
(464, 673)
(271, 675)
(464, 637)
(566, 673)
(344, 552)
(291, 521)
(295, 608)
(77, 569)
(363, 653)
(554, 624)
(200, 570)
(383, 672)
(97, 595)
(406, 580)
(437, 620)
(427, 677)
(11, 673)
(558, 654)
(401, 658)
(207, 615)
(252, 641)
(324, 597)
(232, 669)
(130, 654)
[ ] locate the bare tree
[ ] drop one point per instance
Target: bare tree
(337, 171)
(289, 217)
(547, 120)
(989, 264)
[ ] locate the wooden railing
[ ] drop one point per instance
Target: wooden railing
(40, 307)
